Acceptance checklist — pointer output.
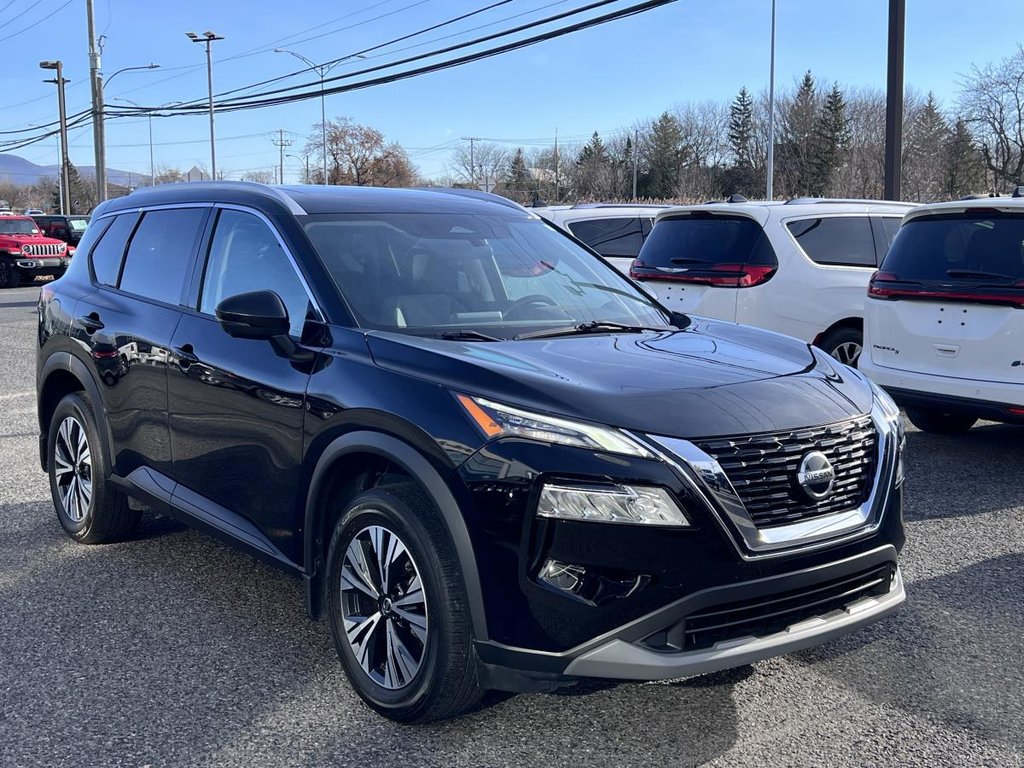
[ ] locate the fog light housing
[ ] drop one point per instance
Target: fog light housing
(630, 504)
(590, 585)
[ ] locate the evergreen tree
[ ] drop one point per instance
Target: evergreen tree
(83, 192)
(963, 164)
(799, 124)
(742, 176)
(666, 154)
(831, 141)
(518, 174)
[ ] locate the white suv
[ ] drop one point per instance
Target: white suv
(800, 268)
(614, 231)
(945, 315)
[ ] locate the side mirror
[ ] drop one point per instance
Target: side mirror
(255, 315)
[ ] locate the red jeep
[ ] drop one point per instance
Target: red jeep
(25, 252)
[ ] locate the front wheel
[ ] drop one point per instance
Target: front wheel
(10, 275)
(398, 608)
(940, 422)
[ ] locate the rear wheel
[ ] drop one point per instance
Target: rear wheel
(10, 275)
(88, 507)
(398, 608)
(845, 345)
(940, 422)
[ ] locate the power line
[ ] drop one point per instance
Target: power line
(34, 24)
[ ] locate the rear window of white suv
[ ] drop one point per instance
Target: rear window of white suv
(712, 249)
(977, 247)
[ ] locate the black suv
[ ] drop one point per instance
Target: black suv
(67, 228)
(493, 460)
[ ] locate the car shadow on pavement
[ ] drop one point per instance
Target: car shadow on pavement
(973, 616)
(173, 649)
(972, 473)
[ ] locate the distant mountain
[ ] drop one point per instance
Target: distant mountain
(18, 170)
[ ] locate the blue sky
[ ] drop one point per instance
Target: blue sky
(599, 79)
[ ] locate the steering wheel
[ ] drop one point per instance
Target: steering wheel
(532, 300)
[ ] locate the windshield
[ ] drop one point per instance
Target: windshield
(498, 275)
(18, 227)
(986, 246)
(78, 225)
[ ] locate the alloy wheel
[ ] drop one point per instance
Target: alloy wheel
(848, 353)
(73, 468)
(383, 607)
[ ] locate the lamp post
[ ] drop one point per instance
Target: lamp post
(321, 70)
(770, 160)
(149, 115)
(65, 191)
(100, 133)
(305, 161)
(208, 38)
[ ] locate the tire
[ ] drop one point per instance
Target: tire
(88, 507)
(10, 275)
(845, 345)
(939, 422)
(416, 661)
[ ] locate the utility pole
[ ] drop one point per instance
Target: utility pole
(770, 164)
(894, 100)
(281, 143)
(472, 158)
(636, 159)
(65, 181)
(557, 197)
(208, 38)
(96, 85)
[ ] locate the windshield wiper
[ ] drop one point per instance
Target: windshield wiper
(467, 335)
(594, 326)
(978, 273)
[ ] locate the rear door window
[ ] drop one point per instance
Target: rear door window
(160, 254)
(843, 241)
(890, 226)
(982, 248)
(610, 237)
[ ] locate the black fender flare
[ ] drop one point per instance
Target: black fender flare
(65, 361)
(418, 467)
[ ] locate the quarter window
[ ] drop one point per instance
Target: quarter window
(246, 256)
(610, 237)
(844, 241)
(160, 253)
(106, 256)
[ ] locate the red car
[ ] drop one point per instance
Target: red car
(26, 253)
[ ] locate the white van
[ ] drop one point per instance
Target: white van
(799, 267)
(945, 315)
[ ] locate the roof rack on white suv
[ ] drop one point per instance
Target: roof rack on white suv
(799, 267)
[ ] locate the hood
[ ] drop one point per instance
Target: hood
(23, 238)
(710, 380)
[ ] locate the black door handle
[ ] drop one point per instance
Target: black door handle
(91, 323)
(186, 355)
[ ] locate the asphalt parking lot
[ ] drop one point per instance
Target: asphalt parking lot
(171, 649)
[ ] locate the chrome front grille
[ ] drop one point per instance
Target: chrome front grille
(763, 469)
(42, 249)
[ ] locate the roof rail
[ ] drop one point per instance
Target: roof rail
(621, 205)
(840, 201)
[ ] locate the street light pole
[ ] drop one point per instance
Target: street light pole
(770, 164)
(305, 160)
(65, 187)
(322, 70)
(208, 38)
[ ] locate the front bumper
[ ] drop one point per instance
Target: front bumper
(623, 660)
(42, 263)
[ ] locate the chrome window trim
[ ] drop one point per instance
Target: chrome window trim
(705, 476)
(280, 241)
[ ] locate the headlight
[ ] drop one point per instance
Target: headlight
(891, 411)
(635, 504)
(25, 248)
(62, 247)
(497, 420)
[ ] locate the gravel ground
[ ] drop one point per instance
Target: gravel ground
(172, 649)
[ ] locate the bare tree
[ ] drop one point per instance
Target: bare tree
(261, 175)
(358, 155)
(480, 162)
(992, 102)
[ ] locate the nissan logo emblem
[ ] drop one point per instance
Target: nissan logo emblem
(816, 475)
